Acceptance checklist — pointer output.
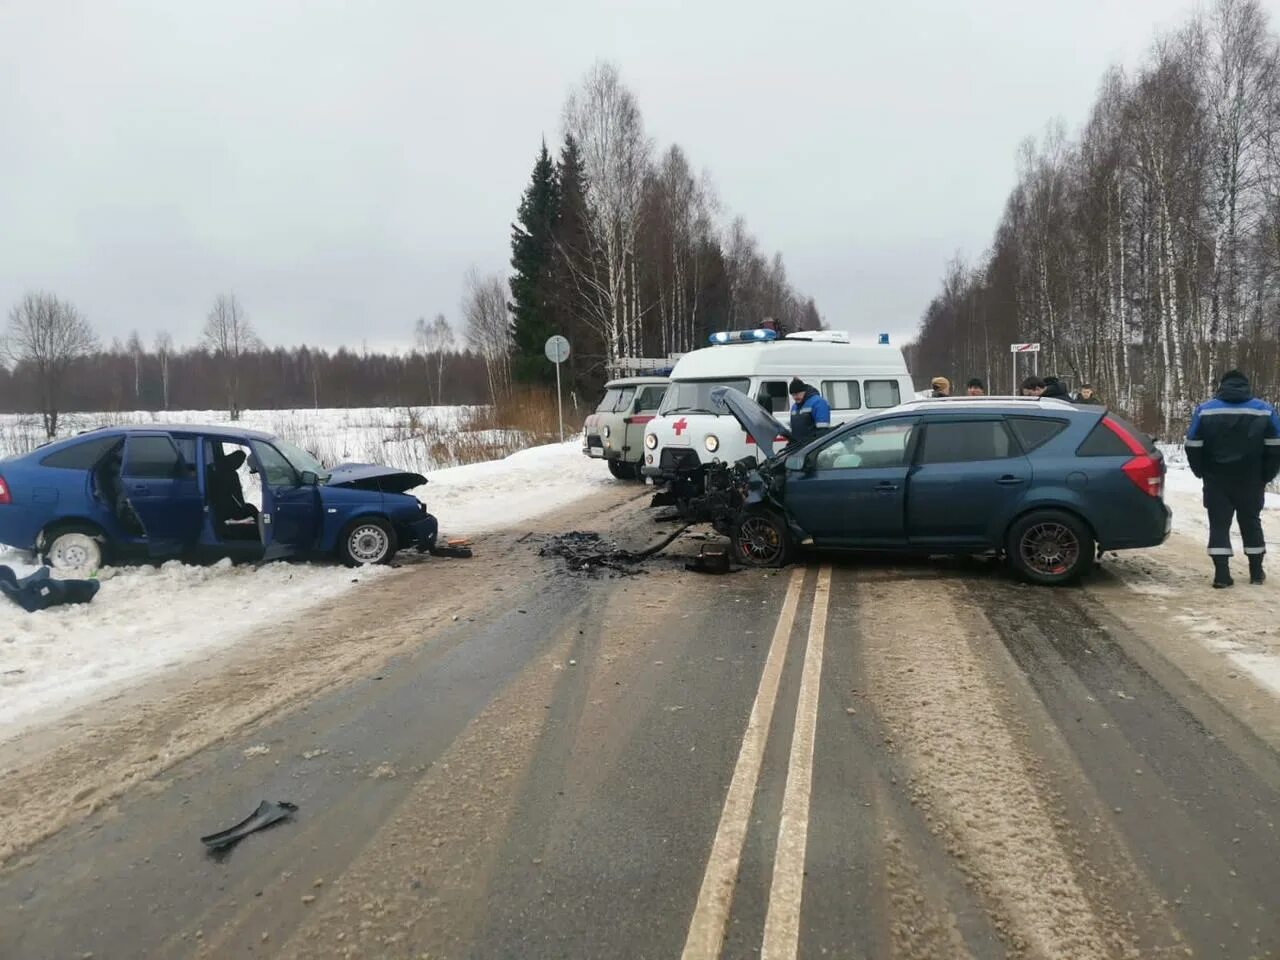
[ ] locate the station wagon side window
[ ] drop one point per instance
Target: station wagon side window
(842, 394)
(773, 396)
(1033, 432)
(881, 394)
(277, 471)
(650, 397)
(150, 457)
(964, 441)
(874, 446)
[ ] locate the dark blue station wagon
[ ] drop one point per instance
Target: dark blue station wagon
(179, 491)
(1048, 484)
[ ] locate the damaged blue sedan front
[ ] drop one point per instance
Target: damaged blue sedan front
(203, 492)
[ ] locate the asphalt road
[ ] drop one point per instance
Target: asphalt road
(843, 759)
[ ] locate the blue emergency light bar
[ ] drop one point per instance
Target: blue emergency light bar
(742, 336)
(884, 339)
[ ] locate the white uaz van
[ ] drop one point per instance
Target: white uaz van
(689, 432)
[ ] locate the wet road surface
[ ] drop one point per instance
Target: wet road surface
(842, 759)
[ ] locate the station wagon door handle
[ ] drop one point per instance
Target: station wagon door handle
(884, 486)
(1010, 481)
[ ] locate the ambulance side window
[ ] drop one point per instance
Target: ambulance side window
(773, 396)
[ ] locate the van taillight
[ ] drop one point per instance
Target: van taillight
(1144, 470)
(4, 492)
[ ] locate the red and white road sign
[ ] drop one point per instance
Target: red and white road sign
(1024, 348)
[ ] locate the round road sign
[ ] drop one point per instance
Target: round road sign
(557, 349)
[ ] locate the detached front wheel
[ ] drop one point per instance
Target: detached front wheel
(366, 542)
(761, 539)
(1050, 547)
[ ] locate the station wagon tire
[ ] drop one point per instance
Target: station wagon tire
(1050, 547)
(74, 548)
(761, 539)
(367, 541)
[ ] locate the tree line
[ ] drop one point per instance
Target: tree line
(57, 364)
(1143, 254)
(623, 251)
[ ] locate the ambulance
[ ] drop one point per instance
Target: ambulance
(690, 432)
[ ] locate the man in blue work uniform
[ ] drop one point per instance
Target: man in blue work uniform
(1233, 445)
(810, 413)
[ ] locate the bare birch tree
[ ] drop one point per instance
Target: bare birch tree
(48, 336)
(164, 353)
(484, 307)
(604, 119)
(435, 341)
(229, 336)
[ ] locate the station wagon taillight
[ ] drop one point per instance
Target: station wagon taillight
(1144, 470)
(4, 492)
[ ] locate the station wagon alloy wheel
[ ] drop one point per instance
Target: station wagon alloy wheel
(1050, 548)
(369, 543)
(762, 540)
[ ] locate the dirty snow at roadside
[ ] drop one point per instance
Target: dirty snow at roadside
(145, 619)
(489, 496)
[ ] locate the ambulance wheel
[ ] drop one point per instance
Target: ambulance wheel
(761, 539)
(622, 470)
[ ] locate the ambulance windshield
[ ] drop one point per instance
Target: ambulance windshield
(694, 396)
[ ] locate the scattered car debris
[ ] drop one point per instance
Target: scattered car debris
(39, 591)
(588, 552)
(269, 812)
(456, 549)
(712, 559)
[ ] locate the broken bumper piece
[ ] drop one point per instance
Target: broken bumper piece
(268, 812)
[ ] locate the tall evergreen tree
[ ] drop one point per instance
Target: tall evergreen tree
(572, 264)
(533, 258)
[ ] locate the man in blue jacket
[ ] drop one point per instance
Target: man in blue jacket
(1233, 445)
(816, 411)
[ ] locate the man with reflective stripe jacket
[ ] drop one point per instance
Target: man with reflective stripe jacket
(1233, 445)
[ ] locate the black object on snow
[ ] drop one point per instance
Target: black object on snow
(39, 591)
(268, 812)
(457, 553)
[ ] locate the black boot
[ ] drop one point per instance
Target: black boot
(1222, 573)
(1256, 576)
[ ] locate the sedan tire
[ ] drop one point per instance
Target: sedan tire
(367, 541)
(761, 539)
(73, 549)
(1050, 547)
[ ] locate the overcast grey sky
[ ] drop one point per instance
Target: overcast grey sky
(340, 165)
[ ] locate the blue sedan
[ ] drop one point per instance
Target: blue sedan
(180, 491)
(1045, 483)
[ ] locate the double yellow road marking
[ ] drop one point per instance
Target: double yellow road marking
(782, 922)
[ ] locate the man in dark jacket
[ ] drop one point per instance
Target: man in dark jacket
(1087, 395)
(1053, 387)
(1233, 445)
(810, 412)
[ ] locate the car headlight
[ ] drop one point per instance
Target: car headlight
(605, 431)
(712, 443)
(651, 441)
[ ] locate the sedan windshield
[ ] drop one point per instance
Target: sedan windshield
(694, 396)
(300, 459)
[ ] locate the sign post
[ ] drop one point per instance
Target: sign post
(1017, 348)
(557, 351)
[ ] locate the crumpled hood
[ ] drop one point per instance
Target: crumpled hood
(1234, 388)
(388, 479)
(757, 421)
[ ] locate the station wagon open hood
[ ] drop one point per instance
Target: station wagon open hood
(372, 476)
(757, 421)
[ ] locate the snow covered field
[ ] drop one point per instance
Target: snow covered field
(148, 619)
(411, 438)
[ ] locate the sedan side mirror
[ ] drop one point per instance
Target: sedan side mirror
(309, 479)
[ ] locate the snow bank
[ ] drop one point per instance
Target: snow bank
(149, 619)
(489, 496)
